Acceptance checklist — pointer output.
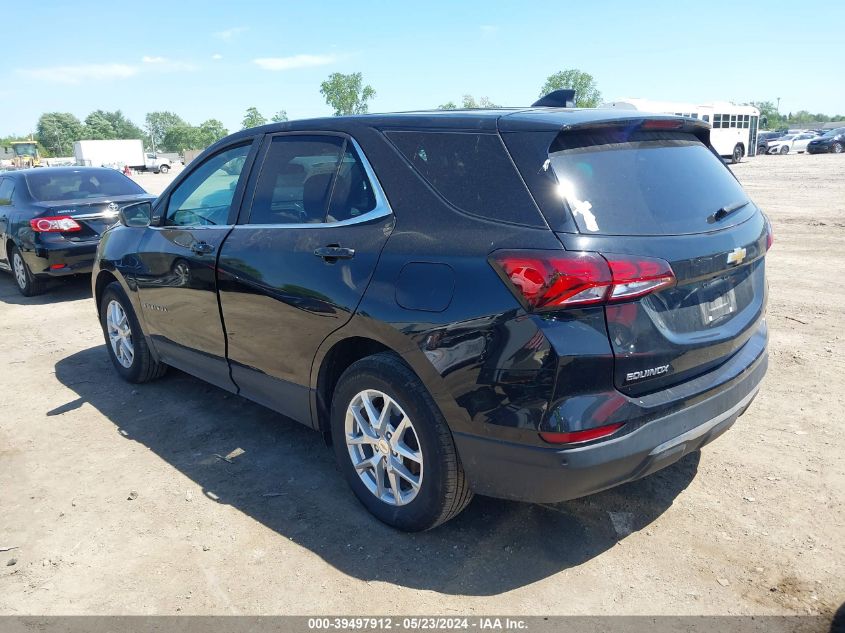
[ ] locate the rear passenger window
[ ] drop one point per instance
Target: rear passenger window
(7, 187)
(353, 194)
(310, 180)
(472, 171)
(296, 180)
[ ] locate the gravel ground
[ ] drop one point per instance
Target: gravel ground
(117, 498)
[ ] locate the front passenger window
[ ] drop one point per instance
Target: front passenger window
(205, 196)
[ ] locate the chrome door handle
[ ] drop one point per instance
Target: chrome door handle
(202, 248)
(331, 253)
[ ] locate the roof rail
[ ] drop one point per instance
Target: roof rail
(564, 98)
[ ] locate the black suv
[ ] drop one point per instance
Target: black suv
(533, 304)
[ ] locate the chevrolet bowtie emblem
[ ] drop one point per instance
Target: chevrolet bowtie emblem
(736, 256)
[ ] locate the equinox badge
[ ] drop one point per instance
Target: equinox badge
(647, 373)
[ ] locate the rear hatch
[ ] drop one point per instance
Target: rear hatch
(93, 215)
(652, 188)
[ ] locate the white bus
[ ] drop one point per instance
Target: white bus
(733, 127)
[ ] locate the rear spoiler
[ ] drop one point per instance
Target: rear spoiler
(556, 99)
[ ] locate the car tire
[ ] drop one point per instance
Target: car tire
(837, 148)
(737, 155)
(127, 347)
(27, 283)
(784, 149)
(164, 169)
(414, 426)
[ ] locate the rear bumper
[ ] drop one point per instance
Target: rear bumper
(61, 260)
(547, 475)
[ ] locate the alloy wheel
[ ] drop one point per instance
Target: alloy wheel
(384, 447)
(120, 334)
(20, 270)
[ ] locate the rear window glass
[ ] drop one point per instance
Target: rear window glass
(471, 171)
(80, 184)
(655, 184)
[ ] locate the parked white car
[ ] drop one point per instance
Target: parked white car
(791, 143)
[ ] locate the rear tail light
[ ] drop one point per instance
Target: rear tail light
(770, 235)
(58, 224)
(580, 436)
(561, 279)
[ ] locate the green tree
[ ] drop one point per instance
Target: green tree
(469, 102)
(98, 127)
(253, 118)
(587, 94)
(449, 105)
(123, 127)
(347, 94)
(770, 118)
(184, 137)
(159, 123)
(179, 138)
(57, 131)
(280, 117)
(211, 131)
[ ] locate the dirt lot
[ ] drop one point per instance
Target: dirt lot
(753, 525)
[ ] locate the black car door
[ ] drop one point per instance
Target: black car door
(177, 257)
(296, 266)
(7, 187)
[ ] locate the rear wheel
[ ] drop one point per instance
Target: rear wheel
(784, 149)
(737, 154)
(394, 446)
(28, 284)
(125, 341)
(837, 148)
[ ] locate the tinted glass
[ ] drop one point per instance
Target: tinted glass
(353, 193)
(7, 187)
(659, 184)
(205, 196)
(76, 184)
(473, 172)
(836, 132)
(296, 180)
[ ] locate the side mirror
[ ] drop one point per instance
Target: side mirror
(136, 215)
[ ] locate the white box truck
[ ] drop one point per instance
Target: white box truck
(117, 154)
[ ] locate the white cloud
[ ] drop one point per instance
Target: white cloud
(216, 56)
(489, 30)
(294, 61)
(80, 73)
(230, 34)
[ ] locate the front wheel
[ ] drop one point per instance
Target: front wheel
(837, 148)
(784, 149)
(394, 446)
(28, 284)
(125, 341)
(164, 169)
(737, 154)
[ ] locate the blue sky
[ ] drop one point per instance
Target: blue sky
(214, 59)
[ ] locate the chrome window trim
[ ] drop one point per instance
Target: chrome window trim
(381, 210)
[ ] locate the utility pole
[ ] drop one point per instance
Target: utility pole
(778, 106)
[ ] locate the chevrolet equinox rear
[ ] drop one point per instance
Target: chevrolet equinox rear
(532, 304)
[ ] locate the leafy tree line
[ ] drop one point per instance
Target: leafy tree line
(345, 94)
(771, 119)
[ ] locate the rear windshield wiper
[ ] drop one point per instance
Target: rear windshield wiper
(726, 210)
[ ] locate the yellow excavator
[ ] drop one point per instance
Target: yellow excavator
(25, 154)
